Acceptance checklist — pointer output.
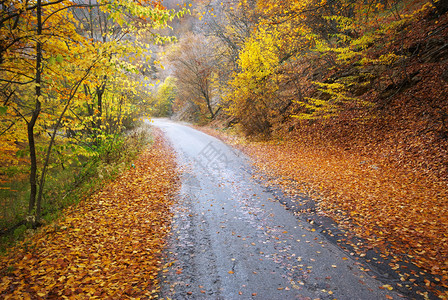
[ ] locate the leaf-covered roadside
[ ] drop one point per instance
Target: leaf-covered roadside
(109, 246)
(404, 214)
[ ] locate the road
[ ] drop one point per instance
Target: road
(232, 240)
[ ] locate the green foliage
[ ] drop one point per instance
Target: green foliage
(80, 87)
(165, 98)
(19, 231)
(69, 184)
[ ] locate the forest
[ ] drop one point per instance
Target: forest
(73, 79)
(342, 100)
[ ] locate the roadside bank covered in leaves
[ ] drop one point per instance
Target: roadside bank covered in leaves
(401, 213)
(107, 246)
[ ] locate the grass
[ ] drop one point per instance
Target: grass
(12, 194)
(64, 186)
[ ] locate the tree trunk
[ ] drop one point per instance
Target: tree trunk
(204, 90)
(99, 93)
(47, 161)
(33, 159)
(210, 109)
(50, 146)
(36, 112)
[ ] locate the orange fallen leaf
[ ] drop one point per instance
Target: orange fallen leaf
(139, 199)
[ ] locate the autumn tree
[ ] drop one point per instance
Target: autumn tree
(30, 93)
(122, 45)
(165, 98)
(48, 66)
(291, 66)
(194, 66)
(231, 23)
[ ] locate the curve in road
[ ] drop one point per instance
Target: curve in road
(232, 240)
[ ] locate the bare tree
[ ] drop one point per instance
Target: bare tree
(195, 68)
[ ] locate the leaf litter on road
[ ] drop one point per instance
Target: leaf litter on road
(393, 209)
(107, 246)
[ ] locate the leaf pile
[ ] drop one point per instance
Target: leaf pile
(396, 210)
(109, 246)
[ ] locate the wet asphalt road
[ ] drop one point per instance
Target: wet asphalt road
(232, 240)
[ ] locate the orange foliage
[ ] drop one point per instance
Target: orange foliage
(401, 212)
(109, 246)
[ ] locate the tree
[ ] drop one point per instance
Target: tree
(20, 78)
(194, 66)
(48, 66)
(165, 97)
(291, 66)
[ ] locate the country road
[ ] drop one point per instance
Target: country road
(232, 240)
